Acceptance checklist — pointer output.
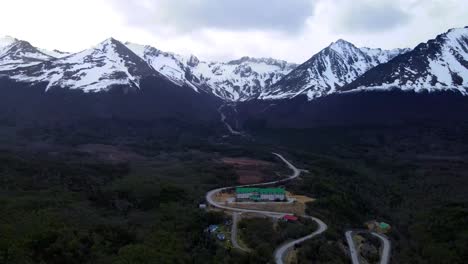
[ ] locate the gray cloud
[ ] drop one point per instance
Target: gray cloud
(371, 16)
(191, 15)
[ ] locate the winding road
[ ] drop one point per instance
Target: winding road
(385, 252)
(283, 249)
(352, 247)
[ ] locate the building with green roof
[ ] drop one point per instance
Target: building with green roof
(260, 194)
(384, 226)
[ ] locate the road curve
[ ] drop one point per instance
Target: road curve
(352, 247)
(279, 253)
(385, 254)
(282, 250)
(386, 246)
(209, 195)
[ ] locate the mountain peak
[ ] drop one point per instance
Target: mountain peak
(342, 41)
(109, 41)
(328, 71)
(438, 64)
(7, 41)
(341, 44)
(107, 65)
(456, 33)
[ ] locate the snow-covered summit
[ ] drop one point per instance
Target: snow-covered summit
(171, 65)
(439, 64)
(235, 80)
(108, 64)
(327, 71)
(241, 79)
(6, 41)
(16, 53)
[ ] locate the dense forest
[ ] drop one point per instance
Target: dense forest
(80, 197)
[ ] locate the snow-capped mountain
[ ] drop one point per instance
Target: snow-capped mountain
(6, 41)
(329, 70)
(236, 80)
(112, 63)
(439, 64)
(16, 53)
(106, 65)
(242, 79)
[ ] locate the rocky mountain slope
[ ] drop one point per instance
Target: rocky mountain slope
(236, 80)
(329, 70)
(17, 53)
(112, 63)
(106, 65)
(439, 64)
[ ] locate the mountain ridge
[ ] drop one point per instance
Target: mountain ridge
(438, 64)
(235, 80)
(110, 63)
(325, 72)
(341, 67)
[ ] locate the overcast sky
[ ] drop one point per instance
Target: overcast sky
(227, 29)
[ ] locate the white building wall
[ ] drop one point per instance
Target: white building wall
(243, 195)
(272, 197)
(280, 196)
(265, 197)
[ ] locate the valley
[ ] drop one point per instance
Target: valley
(124, 153)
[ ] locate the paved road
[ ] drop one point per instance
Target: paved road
(234, 236)
(352, 247)
(384, 254)
(279, 253)
(386, 248)
(210, 194)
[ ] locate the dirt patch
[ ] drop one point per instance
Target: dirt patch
(291, 256)
(249, 176)
(250, 171)
(246, 162)
(301, 198)
(223, 197)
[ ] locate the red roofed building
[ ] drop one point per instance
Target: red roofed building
(290, 218)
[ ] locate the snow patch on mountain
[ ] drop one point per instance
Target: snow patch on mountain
(168, 64)
(242, 79)
(439, 64)
(17, 53)
(235, 80)
(6, 41)
(107, 65)
(327, 71)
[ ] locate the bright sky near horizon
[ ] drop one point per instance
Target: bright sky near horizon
(223, 29)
